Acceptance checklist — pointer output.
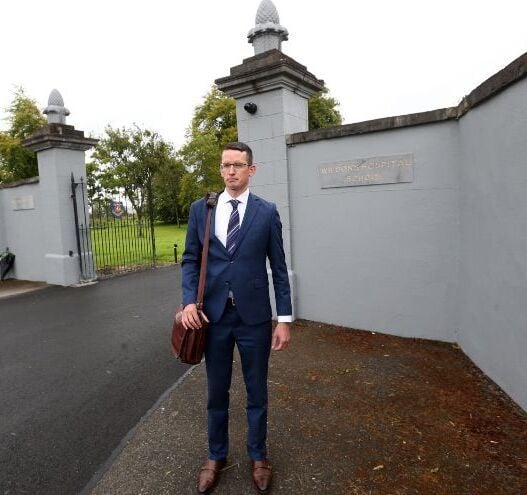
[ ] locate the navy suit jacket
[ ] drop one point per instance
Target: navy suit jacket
(244, 272)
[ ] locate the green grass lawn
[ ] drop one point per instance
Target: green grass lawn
(166, 236)
(119, 244)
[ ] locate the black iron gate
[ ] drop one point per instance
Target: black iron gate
(112, 237)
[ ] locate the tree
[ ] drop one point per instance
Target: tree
(322, 111)
(127, 160)
(214, 125)
(24, 118)
(167, 187)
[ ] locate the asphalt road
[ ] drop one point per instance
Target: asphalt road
(79, 367)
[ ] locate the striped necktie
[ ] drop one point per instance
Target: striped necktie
(234, 226)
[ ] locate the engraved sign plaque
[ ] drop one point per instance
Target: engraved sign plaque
(23, 203)
(367, 171)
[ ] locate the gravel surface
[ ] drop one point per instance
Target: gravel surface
(351, 412)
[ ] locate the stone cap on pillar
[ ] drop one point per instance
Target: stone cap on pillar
(57, 134)
(56, 111)
(267, 33)
(268, 71)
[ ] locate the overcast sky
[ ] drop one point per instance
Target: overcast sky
(151, 62)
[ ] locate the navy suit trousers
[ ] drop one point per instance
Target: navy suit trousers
(254, 346)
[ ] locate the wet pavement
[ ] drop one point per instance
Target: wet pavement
(79, 367)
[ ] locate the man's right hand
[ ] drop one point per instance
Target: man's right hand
(190, 317)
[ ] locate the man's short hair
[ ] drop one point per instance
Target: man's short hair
(239, 146)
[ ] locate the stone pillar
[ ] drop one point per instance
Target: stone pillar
(271, 92)
(60, 152)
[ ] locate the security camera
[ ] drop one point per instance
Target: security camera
(250, 108)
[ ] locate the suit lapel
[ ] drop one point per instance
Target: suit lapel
(250, 214)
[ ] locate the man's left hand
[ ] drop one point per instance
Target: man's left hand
(281, 337)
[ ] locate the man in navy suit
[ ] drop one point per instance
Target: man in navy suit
(245, 232)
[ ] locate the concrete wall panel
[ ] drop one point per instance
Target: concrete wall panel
(23, 230)
(493, 212)
(379, 257)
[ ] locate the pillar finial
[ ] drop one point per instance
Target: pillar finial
(56, 111)
(268, 33)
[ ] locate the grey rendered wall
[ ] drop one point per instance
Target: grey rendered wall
(22, 232)
(493, 210)
(386, 254)
(3, 238)
(281, 112)
(55, 168)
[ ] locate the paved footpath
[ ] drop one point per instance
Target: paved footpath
(79, 367)
(351, 413)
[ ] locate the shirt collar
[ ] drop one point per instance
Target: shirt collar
(242, 198)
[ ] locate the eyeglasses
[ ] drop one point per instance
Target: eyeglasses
(237, 166)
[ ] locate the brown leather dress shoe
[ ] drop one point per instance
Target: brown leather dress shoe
(209, 475)
(262, 476)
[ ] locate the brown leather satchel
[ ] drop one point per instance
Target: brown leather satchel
(188, 345)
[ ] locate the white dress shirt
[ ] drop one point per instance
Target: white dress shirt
(221, 224)
(223, 213)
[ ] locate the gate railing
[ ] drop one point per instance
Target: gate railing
(82, 231)
(118, 238)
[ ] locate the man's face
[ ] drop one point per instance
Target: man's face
(236, 178)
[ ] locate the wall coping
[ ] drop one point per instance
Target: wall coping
(57, 135)
(267, 71)
(21, 182)
(509, 75)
